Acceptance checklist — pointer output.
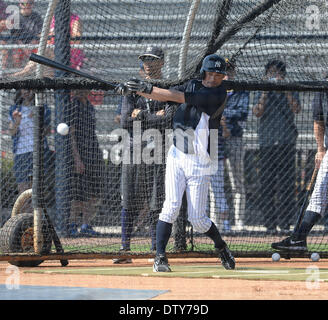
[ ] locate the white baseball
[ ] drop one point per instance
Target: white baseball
(315, 256)
(275, 257)
(62, 129)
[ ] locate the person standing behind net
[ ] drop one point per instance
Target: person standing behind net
(28, 32)
(136, 185)
(77, 56)
(218, 206)
(3, 16)
(87, 166)
(317, 206)
(21, 129)
(189, 164)
(3, 26)
(277, 156)
(235, 113)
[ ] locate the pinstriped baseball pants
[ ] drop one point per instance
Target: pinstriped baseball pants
(318, 200)
(184, 174)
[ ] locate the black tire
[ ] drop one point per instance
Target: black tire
(16, 236)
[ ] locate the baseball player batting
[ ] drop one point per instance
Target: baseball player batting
(318, 202)
(188, 166)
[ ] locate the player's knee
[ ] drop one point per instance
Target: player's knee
(200, 224)
(172, 206)
(170, 211)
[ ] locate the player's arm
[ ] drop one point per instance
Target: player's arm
(225, 130)
(30, 67)
(318, 127)
(15, 118)
(164, 95)
(293, 102)
(319, 134)
(76, 31)
(259, 107)
(158, 118)
(209, 100)
(206, 101)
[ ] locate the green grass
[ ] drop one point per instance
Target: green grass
(201, 271)
(199, 247)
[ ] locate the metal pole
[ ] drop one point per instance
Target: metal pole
(62, 100)
(186, 38)
(37, 186)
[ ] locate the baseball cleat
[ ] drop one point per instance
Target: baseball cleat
(122, 260)
(290, 244)
(227, 259)
(161, 264)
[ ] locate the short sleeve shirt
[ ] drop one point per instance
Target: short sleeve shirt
(277, 124)
(29, 28)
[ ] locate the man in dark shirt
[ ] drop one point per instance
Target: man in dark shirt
(277, 139)
(30, 26)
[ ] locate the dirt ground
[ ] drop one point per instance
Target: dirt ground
(182, 288)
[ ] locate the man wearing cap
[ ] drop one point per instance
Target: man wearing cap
(153, 61)
(142, 183)
(235, 114)
(27, 32)
(189, 165)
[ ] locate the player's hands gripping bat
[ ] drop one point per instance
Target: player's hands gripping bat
(136, 85)
(122, 90)
(133, 86)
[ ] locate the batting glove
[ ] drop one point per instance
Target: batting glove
(122, 90)
(135, 85)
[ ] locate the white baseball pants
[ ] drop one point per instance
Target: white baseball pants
(186, 173)
(318, 200)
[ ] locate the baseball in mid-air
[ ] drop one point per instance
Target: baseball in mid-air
(275, 256)
(315, 256)
(62, 129)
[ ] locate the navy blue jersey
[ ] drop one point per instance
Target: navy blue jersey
(201, 111)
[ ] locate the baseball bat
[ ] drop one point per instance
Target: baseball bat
(55, 238)
(304, 204)
(60, 66)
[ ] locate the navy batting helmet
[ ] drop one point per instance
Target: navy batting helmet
(213, 63)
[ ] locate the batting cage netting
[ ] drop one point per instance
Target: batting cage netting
(98, 181)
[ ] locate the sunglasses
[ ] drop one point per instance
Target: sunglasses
(26, 4)
(149, 59)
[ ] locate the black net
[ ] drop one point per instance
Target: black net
(102, 183)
